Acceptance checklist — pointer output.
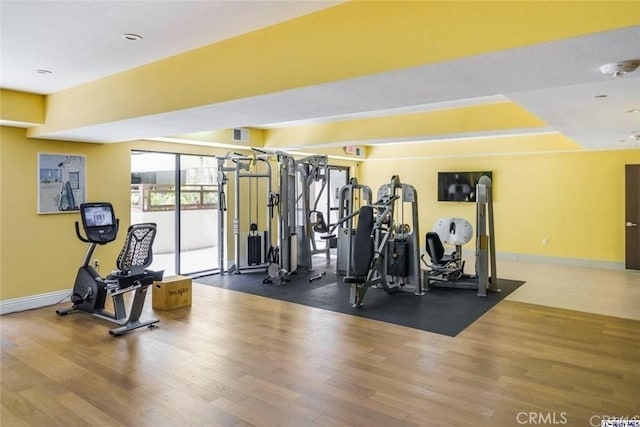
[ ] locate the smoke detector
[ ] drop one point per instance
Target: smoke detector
(619, 69)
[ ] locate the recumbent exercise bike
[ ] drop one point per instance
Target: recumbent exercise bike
(90, 290)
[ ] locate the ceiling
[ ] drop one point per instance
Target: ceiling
(80, 41)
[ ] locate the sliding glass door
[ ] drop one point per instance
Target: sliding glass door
(179, 194)
(153, 200)
(198, 214)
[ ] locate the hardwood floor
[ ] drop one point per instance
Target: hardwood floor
(234, 359)
(604, 291)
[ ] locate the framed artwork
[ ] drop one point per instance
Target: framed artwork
(61, 182)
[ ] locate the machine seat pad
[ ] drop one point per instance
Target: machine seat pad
(126, 281)
(355, 279)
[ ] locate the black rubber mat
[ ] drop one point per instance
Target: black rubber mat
(441, 310)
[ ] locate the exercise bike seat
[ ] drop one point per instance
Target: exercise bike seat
(358, 280)
(135, 257)
(125, 281)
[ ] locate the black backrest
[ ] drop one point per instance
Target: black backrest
(316, 218)
(362, 243)
(137, 254)
(434, 247)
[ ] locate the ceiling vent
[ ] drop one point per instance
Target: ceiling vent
(241, 135)
(619, 69)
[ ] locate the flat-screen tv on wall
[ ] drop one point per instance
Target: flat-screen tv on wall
(459, 186)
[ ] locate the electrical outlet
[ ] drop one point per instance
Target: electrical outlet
(96, 264)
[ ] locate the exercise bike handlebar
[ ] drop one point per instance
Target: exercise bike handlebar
(82, 238)
(89, 240)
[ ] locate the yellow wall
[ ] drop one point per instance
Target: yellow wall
(399, 127)
(573, 199)
(40, 253)
(21, 107)
(349, 40)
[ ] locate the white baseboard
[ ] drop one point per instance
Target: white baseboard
(33, 301)
(573, 262)
(543, 259)
(51, 298)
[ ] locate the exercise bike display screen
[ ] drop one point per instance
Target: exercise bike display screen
(99, 221)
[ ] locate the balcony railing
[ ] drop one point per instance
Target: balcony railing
(162, 197)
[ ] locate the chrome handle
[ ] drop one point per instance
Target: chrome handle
(631, 224)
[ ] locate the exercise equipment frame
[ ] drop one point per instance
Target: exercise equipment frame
(485, 254)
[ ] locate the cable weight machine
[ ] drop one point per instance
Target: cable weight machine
(402, 250)
(252, 239)
(347, 198)
(385, 246)
(282, 258)
(310, 170)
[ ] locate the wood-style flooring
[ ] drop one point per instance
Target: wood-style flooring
(234, 359)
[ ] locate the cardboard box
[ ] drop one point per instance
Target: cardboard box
(172, 292)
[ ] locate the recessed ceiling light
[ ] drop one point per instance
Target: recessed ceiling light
(633, 110)
(601, 96)
(131, 37)
(43, 71)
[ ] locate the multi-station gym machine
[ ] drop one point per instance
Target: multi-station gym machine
(350, 198)
(403, 259)
(254, 246)
(283, 258)
(313, 170)
(395, 261)
(252, 236)
(300, 208)
(385, 247)
(447, 270)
